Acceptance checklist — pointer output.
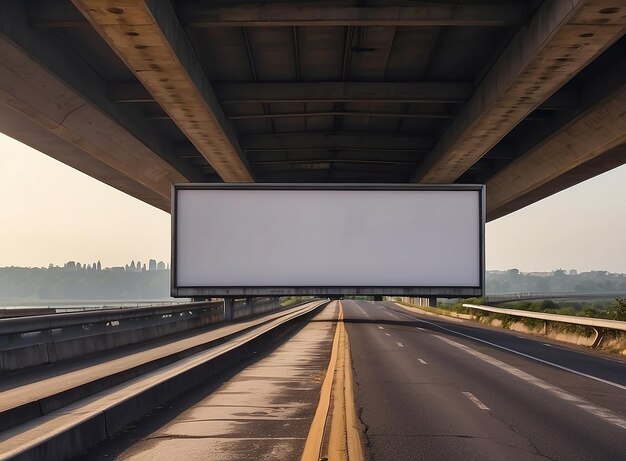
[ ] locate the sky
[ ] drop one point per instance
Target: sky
(52, 213)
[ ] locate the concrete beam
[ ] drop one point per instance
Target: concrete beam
(427, 92)
(54, 14)
(562, 38)
(591, 144)
(56, 103)
(331, 141)
(331, 175)
(284, 14)
(40, 137)
(343, 113)
(332, 160)
(151, 42)
(128, 92)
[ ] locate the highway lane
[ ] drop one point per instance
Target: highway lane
(427, 392)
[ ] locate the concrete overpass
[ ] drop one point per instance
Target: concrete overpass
(527, 97)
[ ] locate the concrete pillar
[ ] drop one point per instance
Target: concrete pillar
(229, 309)
(432, 301)
(251, 302)
(378, 298)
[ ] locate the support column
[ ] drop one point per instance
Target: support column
(432, 301)
(378, 298)
(229, 309)
(252, 303)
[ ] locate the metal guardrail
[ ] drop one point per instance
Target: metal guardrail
(585, 321)
(598, 325)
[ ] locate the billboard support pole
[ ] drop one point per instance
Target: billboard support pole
(229, 308)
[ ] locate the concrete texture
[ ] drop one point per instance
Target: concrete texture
(261, 413)
(68, 431)
(52, 342)
(149, 39)
(562, 38)
(39, 392)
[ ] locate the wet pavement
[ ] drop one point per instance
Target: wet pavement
(262, 412)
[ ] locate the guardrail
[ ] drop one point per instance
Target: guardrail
(52, 338)
(63, 320)
(598, 325)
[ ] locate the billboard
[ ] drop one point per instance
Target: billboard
(327, 239)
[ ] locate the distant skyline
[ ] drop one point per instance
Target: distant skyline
(52, 213)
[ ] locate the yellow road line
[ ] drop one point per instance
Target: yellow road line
(353, 429)
(315, 439)
(344, 434)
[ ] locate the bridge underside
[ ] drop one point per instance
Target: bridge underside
(527, 97)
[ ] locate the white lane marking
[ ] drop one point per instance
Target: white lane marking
(423, 362)
(387, 334)
(389, 313)
(380, 327)
(400, 344)
(537, 359)
(475, 400)
(361, 309)
(420, 328)
(581, 403)
(547, 345)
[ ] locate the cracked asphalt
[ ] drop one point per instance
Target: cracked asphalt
(426, 393)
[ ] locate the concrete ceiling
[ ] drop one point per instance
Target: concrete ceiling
(524, 96)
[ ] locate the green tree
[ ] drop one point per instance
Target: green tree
(617, 311)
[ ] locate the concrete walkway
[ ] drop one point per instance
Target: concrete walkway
(261, 413)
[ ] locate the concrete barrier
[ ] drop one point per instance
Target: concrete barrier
(86, 430)
(41, 340)
(14, 416)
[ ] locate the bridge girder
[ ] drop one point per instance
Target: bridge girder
(180, 90)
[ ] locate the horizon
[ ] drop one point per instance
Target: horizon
(580, 227)
(167, 263)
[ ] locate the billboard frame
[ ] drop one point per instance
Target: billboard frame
(333, 291)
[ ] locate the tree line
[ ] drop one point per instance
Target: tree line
(55, 284)
(559, 280)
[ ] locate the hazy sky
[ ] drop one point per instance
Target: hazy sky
(52, 213)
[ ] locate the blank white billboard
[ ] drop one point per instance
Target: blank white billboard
(272, 239)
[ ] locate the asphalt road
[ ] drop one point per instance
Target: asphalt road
(436, 389)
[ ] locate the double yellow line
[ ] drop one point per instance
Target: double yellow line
(335, 432)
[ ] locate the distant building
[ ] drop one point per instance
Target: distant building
(152, 265)
(161, 266)
(573, 272)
